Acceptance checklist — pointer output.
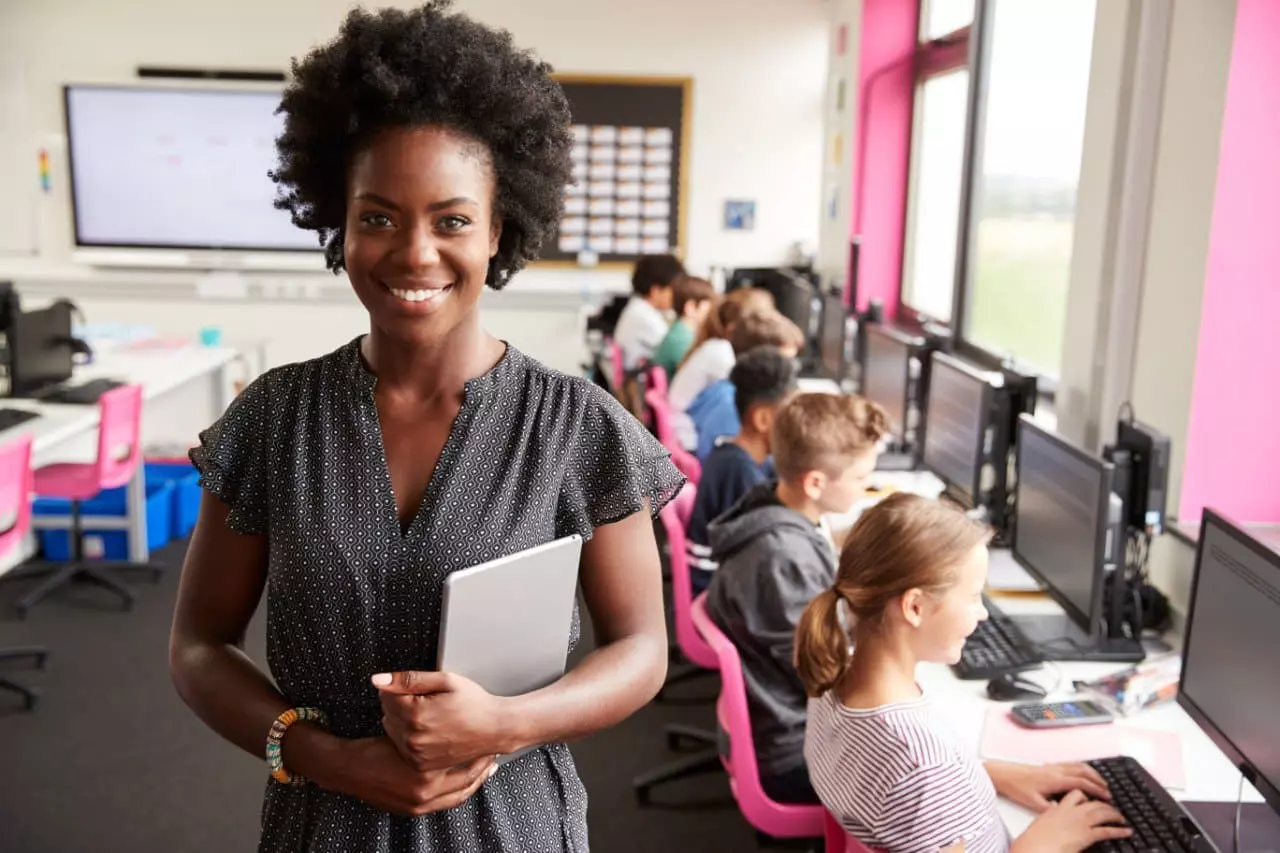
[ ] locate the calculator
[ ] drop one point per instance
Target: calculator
(1048, 715)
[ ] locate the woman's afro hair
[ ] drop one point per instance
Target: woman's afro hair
(393, 68)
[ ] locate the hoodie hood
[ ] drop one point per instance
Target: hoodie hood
(759, 512)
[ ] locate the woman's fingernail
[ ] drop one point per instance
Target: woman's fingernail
(492, 770)
(382, 679)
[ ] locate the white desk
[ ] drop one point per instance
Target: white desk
(1210, 776)
(184, 390)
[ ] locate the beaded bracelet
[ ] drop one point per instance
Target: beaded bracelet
(275, 762)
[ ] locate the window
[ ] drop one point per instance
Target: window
(1026, 172)
(933, 194)
(941, 17)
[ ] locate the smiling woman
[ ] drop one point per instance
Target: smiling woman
(430, 155)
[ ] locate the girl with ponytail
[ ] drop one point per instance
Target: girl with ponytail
(882, 760)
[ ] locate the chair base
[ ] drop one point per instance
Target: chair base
(704, 761)
(678, 734)
(39, 655)
(29, 694)
(65, 574)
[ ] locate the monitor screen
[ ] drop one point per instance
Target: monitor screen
(955, 423)
(41, 349)
(885, 374)
(177, 168)
(831, 342)
(1230, 673)
(1063, 498)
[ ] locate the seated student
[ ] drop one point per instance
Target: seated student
(775, 557)
(642, 324)
(883, 760)
(693, 299)
(712, 413)
(763, 379)
(711, 357)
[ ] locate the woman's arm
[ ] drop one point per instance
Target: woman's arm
(437, 718)
(222, 582)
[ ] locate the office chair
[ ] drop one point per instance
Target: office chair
(15, 503)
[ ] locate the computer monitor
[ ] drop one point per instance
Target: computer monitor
(1064, 533)
(1230, 683)
(831, 340)
(793, 294)
(41, 349)
(955, 426)
(886, 372)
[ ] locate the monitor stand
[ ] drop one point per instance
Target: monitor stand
(1259, 825)
(1061, 639)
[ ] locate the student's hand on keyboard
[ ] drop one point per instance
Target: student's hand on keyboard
(1037, 786)
(1075, 823)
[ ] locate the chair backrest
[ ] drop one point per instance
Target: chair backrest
(119, 435)
(660, 408)
(839, 841)
(619, 375)
(658, 380)
(777, 819)
(692, 646)
(15, 491)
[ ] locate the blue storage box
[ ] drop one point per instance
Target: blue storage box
(186, 492)
(56, 544)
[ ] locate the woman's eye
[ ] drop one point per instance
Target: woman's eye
(454, 223)
(377, 220)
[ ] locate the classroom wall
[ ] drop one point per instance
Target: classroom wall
(1233, 444)
(882, 146)
(759, 69)
(840, 128)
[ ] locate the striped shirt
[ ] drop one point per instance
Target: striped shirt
(899, 780)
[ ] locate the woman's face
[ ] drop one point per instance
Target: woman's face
(420, 229)
(955, 615)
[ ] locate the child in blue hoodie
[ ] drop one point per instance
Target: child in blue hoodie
(775, 556)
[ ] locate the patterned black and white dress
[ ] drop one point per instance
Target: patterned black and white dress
(532, 456)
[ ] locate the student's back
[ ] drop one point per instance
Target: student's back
(773, 561)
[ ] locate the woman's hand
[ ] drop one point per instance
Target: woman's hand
(438, 719)
(375, 772)
(1031, 785)
(1072, 825)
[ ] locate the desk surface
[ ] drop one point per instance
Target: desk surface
(1210, 776)
(157, 371)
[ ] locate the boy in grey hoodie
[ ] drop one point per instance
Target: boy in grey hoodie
(775, 555)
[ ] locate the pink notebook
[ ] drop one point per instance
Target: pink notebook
(1160, 752)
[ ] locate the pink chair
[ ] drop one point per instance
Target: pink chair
(771, 818)
(701, 661)
(119, 455)
(15, 509)
(618, 375)
(683, 459)
(839, 841)
(658, 380)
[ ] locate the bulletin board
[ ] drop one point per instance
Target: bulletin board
(630, 168)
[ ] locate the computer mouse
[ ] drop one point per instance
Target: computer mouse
(1011, 687)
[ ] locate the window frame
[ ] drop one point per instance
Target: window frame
(943, 55)
(968, 47)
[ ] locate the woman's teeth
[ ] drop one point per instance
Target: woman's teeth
(418, 295)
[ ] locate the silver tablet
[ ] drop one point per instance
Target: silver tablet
(505, 624)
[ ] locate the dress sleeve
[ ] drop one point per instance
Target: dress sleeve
(232, 458)
(614, 468)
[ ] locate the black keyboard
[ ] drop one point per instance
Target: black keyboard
(10, 418)
(86, 393)
(1159, 823)
(996, 647)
